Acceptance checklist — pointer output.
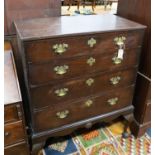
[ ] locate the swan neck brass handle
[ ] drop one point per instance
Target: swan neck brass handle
(60, 48)
(88, 103)
(60, 70)
(91, 61)
(120, 41)
(115, 80)
(62, 114)
(61, 92)
(116, 60)
(91, 42)
(90, 81)
(112, 101)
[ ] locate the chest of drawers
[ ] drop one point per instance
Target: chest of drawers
(78, 71)
(15, 139)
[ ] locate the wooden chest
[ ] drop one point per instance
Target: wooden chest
(78, 70)
(15, 139)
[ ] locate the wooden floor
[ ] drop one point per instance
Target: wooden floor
(99, 9)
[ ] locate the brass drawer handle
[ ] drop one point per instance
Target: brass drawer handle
(90, 81)
(60, 48)
(62, 114)
(60, 70)
(61, 92)
(115, 80)
(91, 61)
(91, 42)
(120, 41)
(112, 101)
(88, 103)
(116, 60)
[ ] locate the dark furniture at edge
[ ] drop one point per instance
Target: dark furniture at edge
(140, 11)
(15, 136)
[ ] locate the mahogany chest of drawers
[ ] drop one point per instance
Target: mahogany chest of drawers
(15, 139)
(78, 71)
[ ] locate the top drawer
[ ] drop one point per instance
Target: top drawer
(47, 50)
(12, 113)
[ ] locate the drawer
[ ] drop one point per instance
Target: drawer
(42, 50)
(86, 108)
(70, 68)
(75, 89)
(17, 149)
(12, 112)
(13, 132)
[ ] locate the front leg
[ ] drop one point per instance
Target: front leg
(129, 119)
(37, 147)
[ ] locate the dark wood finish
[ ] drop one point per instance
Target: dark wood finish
(13, 133)
(17, 149)
(101, 84)
(42, 51)
(79, 111)
(21, 9)
(140, 11)
(15, 138)
(12, 113)
(29, 29)
(42, 73)
(142, 103)
(41, 81)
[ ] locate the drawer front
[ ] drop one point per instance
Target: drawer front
(70, 68)
(47, 50)
(12, 113)
(13, 132)
(71, 112)
(73, 90)
(20, 149)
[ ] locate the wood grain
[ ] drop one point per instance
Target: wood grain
(75, 25)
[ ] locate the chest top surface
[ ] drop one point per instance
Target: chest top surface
(42, 28)
(11, 87)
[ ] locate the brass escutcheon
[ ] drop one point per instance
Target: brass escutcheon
(90, 81)
(91, 42)
(91, 61)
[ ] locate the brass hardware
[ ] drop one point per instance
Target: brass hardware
(61, 92)
(62, 114)
(61, 69)
(91, 42)
(90, 81)
(120, 41)
(112, 101)
(60, 48)
(91, 61)
(88, 103)
(115, 80)
(116, 60)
